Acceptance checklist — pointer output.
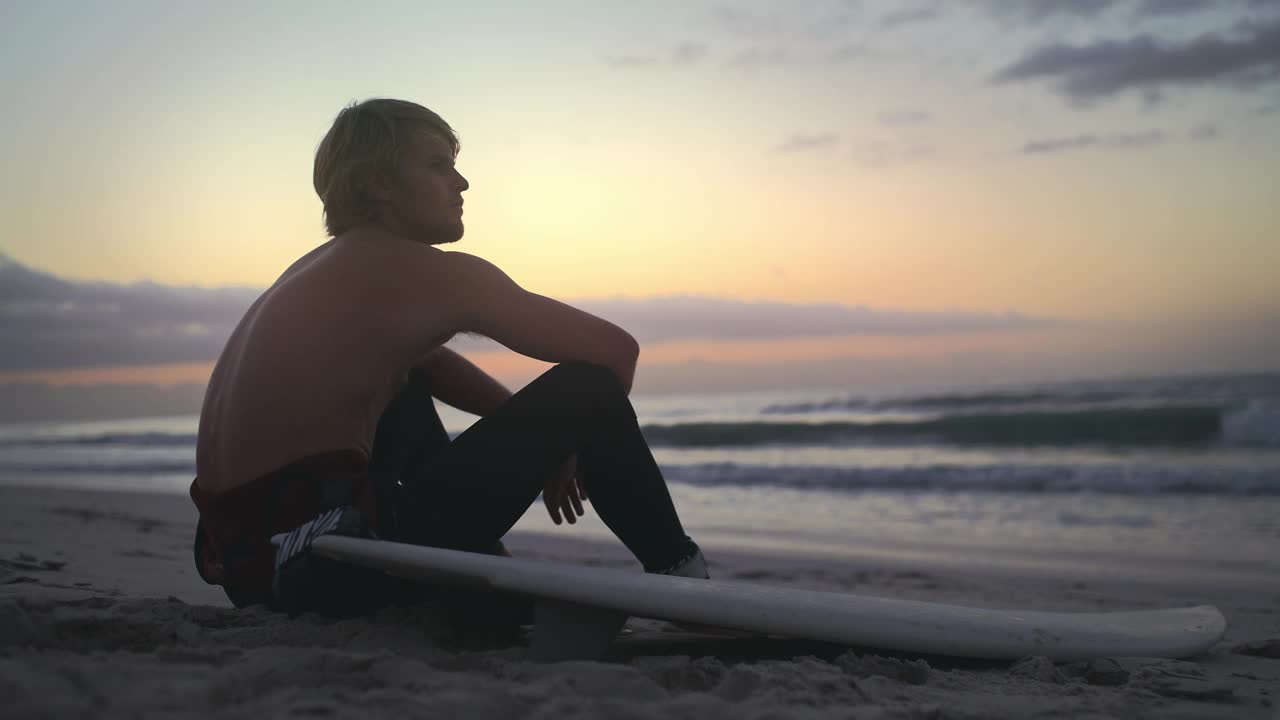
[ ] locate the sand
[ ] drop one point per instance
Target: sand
(102, 615)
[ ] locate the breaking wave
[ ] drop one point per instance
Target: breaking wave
(1188, 426)
(1116, 480)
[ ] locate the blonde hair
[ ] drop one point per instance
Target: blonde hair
(365, 142)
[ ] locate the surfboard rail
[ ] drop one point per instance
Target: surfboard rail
(564, 591)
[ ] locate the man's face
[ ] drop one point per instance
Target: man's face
(425, 202)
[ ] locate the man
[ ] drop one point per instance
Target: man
(319, 415)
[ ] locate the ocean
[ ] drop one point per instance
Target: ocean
(1142, 476)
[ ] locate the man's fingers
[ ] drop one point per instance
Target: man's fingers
(568, 508)
(553, 507)
(582, 487)
(577, 503)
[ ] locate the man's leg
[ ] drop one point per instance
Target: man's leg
(474, 490)
(409, 435)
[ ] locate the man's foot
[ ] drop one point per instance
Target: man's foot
(694, 566)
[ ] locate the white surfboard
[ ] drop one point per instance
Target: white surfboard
(578, 610)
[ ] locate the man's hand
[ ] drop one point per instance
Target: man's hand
(564, 492)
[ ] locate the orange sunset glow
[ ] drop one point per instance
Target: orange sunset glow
(810, 159)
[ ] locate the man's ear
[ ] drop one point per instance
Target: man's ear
(379, 188)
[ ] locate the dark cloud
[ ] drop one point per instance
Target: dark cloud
(899, 118)
(1249, 56)
(1039, 11)
(801, 142)
(1157, 8)
(47, 322)
(1035, 11)
(50, 323)
(36, 402)
(1090, 140)
(1175, 7)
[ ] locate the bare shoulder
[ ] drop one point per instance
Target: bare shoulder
(477, 289)
(303, 263)
(468, 268)
(384, 260)
(456, 273)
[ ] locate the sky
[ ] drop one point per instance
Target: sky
(768, 194)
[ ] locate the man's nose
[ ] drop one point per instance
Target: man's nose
(461, 182)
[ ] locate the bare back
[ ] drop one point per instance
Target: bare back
(316, 359)
(319, 355)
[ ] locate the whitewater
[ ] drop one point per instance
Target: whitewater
(1146, 472)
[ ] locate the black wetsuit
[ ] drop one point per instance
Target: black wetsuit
(466, 493)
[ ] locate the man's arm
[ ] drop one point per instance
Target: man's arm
(457, 382)
(490, 303)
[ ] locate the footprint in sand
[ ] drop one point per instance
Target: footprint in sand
(143, 524)
(23, 561)
(140, 553)
(12, 570)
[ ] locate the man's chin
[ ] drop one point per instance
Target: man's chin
(444, 235)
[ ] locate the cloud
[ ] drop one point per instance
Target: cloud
(1039, 11)
(1204, 132)
(1159, 8)
(891, 153)
(35, 402)
(1175, 7)
(631, 61)
(756, 57)
(802, 142)
(688, 53)
(850, 52)
(745, 23)
(754, 39)
(1036, 11)
(909, 16)
(1117, 141)
(50, 323)
(683, 54)
(704, 318)
(47, 322)
(1248, 57)
(903, 118)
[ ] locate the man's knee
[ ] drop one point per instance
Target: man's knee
(587, 377)
(593, 389)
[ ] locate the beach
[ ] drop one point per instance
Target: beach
(104, 616)
(938, 322)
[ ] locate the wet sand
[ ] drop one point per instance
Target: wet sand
(103, 615)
